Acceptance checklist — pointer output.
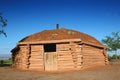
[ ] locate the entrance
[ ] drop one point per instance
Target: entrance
(50, 57)
(50, 61)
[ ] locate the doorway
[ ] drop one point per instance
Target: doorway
(50, 57)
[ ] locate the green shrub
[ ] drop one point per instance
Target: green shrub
(113, 57)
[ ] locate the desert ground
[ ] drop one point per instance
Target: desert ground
(109, 72)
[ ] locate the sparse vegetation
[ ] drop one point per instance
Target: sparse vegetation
(113, 57)
(113, 42)
(6, 62)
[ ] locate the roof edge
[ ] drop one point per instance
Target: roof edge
(96, 45)
(51, 41)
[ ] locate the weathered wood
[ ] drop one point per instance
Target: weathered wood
(35, 65)
(37, 48)
(96, 45)
(51, 41)
(67, 64)
(37, 68)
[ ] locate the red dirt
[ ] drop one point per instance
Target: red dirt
(109, 72)
(59, 34)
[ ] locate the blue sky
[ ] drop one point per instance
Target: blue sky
(97, 18)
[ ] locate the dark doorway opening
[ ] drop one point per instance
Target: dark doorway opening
(49, 47)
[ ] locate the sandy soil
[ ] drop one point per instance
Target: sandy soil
(109, 72)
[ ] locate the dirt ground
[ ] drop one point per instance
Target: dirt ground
(109, 72)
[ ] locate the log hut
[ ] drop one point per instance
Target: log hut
(58, 50)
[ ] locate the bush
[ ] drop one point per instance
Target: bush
(8, 61)
(113, 57)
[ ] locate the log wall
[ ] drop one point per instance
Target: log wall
(69, 56)
(92, 56)
(36, 60)
(19, 60)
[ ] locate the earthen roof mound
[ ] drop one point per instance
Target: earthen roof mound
(59, 34)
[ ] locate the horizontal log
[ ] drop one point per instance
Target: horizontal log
(36, 47)
(93, 62)
(35, 59)
(72, 62)
(36, 54)
(64, 59)
(50, 41)
(69, 64)
(85, 61)
(64, 51)
(92, 48)
(88, 50)
(36, 62)
(92, 51)
(63, 48)
(35, 65)
(63, 45)
(68, 58)
(36, 68)
(99, 54)
(34, 50)
(93, 57)
(64, 54)
(68, 67)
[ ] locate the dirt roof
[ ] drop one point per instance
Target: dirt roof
(60, 34)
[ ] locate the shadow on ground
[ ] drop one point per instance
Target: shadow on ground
(5, 65)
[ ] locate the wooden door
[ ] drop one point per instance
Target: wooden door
(50, 61)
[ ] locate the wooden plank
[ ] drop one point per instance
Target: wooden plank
(88, 54)
(36, 68)
(63, 48)
(96, 45)
(51, 41)
(93, 57)
(71, 63)
(37, 48)
(36, 62)
(64, 51)
(50, 61)
(65, 56)
(64, 59)
(35, 65)
(36, 59)
(37, 53)
(65, 64)
(68, 69)
(92, 61)
(68, 66)
(92, 51)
